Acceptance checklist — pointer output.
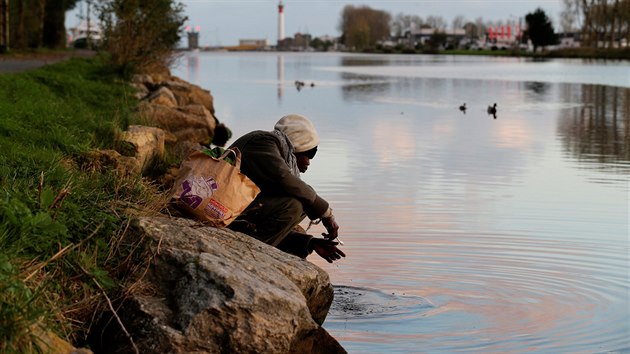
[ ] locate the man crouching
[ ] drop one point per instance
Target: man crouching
(274, 160)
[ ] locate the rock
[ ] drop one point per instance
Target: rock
(162, 96)
(187, 93)
(100, 160)
(218, 291)
(141, 90)
(143, 79)
(147, 143)
(184, 126)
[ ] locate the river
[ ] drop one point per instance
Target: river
(464, 231)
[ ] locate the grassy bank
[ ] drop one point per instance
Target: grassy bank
(62, 212)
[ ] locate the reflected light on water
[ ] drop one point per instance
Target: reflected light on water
(464, 233)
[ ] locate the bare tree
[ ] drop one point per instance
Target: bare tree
(458, 22)
(436, 22)
(472, 31)
(481, 26)
(403, 22)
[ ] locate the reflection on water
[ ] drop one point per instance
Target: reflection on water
(539, 88)
(599, 130)
(464, 233)
(280, 76)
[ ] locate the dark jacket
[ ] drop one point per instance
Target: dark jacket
(263, 163)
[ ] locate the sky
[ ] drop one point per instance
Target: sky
(224, 22)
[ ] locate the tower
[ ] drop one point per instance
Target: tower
(280, 22)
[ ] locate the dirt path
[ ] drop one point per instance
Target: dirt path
(27, 61)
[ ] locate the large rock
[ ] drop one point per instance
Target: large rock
(147, 143)
(162, 96)
(187, 93)
(198, 128)
(218, 291)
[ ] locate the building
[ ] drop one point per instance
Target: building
(421, 36)
(193, 40)
(86, 33)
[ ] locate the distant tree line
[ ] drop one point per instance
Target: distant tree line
(38, 23)
(602, 23)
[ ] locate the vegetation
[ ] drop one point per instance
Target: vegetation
(362, 27)
(141, 34)
(602, 23)
(600, 27)
(38, 23)
(540, 30)
(63, 213)
(138, 34)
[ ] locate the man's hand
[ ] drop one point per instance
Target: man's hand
(327, 249)
(331, 226)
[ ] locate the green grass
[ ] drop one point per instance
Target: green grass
(62, 216)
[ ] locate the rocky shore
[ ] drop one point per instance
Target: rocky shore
(205, 290)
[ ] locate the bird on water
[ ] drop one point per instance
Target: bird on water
(492, 109)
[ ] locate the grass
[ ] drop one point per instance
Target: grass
(62, 215)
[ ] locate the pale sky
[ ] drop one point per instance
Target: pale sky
(224, 22)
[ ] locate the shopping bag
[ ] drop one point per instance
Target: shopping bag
(212, 190)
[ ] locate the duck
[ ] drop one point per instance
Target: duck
(299, 84)
(463, 108)
(492, 109)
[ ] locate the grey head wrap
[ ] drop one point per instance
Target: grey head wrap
(286, 150)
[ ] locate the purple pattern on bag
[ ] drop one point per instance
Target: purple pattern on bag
(190, 199)
(196, 189)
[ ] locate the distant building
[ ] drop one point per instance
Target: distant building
(85, 30)
(299, 42)
(423, 35)
(262, 43)
(193, 40)
(569, 40)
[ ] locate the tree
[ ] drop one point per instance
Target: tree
(362, 27)
(321, 45)
(436, 22)
(54, 27)
(404, 23)
(438, 38)
(471, 30)
(140, 34)
(458, 22)
(539, 29)
(570, 16)
(38, 23)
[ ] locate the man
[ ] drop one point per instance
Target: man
(273, 160)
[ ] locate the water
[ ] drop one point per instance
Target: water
(464, 232)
